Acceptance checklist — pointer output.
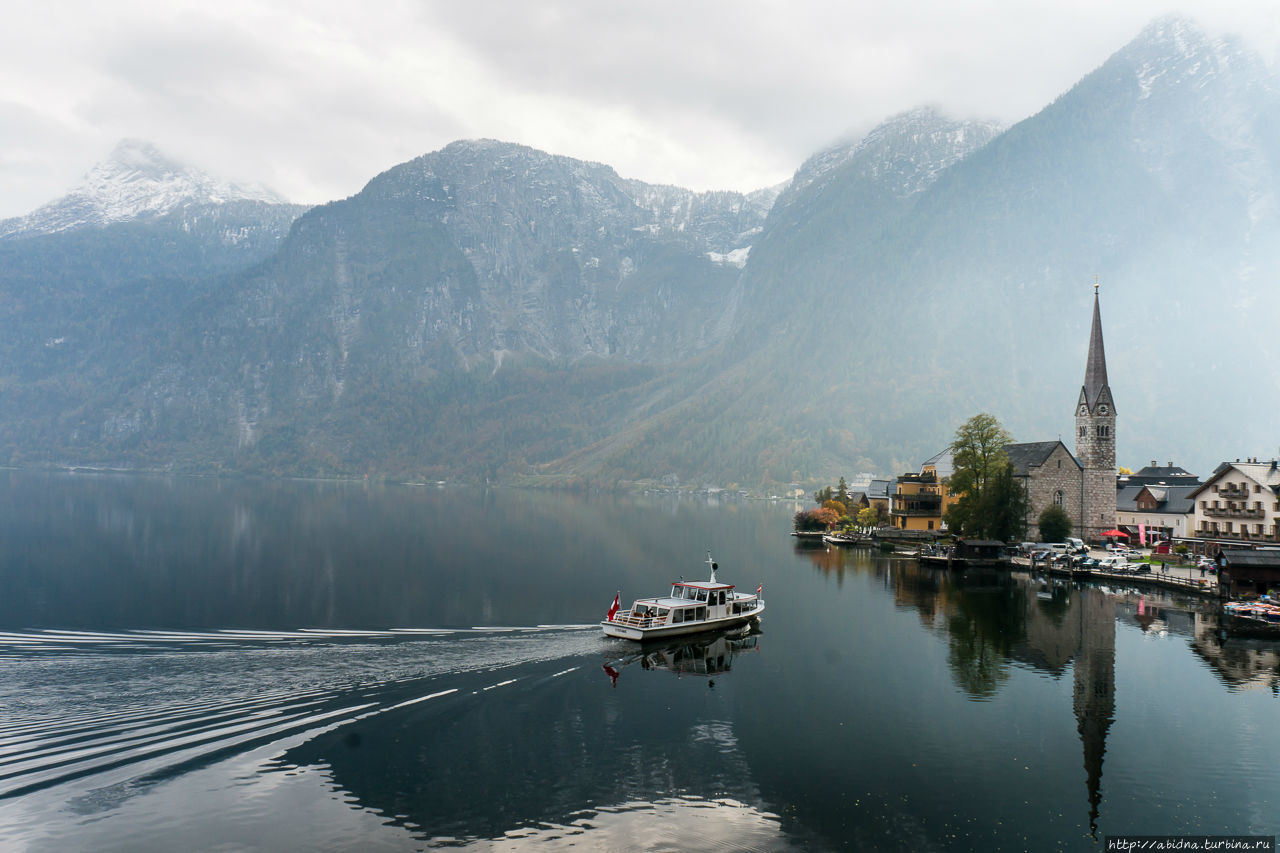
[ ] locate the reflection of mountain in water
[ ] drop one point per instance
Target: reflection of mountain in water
(430, 765)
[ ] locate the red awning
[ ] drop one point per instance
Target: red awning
(1115, 533)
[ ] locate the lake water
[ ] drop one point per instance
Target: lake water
(246, 665)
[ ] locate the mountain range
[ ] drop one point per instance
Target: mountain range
(492, 311)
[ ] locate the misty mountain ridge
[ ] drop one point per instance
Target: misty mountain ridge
(489, 310)
(135, 181)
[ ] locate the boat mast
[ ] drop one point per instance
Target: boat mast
(713, 566)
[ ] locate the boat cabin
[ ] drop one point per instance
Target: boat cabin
(689, 601)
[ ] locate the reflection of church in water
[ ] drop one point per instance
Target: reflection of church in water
(1058, 628)
(1085, 638)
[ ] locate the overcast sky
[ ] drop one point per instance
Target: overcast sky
(313, 99)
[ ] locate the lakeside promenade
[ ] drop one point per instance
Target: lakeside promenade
(1176, 577)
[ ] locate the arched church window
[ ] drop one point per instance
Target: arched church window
(1058, 497)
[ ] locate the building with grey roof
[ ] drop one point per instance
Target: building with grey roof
(1152, 513)
(1153, 474)
(1239, 503)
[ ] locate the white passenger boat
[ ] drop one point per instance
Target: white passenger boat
(692, 607)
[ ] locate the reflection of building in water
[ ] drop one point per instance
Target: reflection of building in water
(1240, 663)
(1095, 686)
(1159, 614)
(1078, 627)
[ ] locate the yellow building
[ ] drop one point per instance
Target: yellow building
(920, 500)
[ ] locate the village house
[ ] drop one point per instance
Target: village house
(1239, 503)
(919, 501)
(1152, 513)
(878, 495)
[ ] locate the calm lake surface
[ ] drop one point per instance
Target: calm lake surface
(247, 665)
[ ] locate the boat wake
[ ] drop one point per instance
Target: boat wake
(117, 711)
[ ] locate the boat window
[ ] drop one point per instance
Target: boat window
(721, 601)
(702, 614)
(702, 595)
(677, 616)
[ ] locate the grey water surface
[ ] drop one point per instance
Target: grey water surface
(252, 665)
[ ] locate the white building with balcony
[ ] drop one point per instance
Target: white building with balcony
(1239, 503)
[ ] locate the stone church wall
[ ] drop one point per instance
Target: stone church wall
(1059, 473)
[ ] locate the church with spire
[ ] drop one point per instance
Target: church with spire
(1082, 483)
(1096, 438)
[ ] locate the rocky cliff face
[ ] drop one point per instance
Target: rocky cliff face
(571, 261)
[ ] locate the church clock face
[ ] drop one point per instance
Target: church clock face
(1102, 410)
(1084, 410)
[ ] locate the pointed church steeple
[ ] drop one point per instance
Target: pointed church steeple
(1095, 369)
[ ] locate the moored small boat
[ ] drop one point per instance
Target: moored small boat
(691, 607)
(1252, 618)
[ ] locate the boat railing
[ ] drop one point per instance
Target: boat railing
(630, 619)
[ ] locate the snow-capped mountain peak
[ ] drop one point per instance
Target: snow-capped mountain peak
(136, 180)
(1172, 53)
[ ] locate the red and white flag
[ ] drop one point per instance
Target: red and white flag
(613, 609)
(760, 590)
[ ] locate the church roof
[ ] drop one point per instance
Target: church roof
(1023, 456)
(1095, 370)
(1032, 454)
